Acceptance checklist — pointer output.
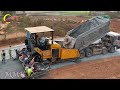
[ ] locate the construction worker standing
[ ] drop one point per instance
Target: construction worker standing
(29, 71)
(17, 54)
(3, 56)
(10, 55)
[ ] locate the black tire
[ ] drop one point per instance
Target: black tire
(88, 52)
(104, 51)
(112, 49)
(82, 54)
(38, 58)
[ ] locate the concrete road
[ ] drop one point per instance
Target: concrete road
(13, 50)
(12, 69)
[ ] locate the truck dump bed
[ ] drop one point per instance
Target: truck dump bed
(88, 32)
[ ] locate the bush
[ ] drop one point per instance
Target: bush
(60, 26)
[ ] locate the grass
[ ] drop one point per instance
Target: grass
(75, 13)
(68, 13)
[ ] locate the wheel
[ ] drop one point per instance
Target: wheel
(38, 58)
(82, 54)
(112, 49)
(104, 51)
(88, 52)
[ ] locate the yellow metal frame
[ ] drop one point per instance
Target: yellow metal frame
(63, 53)
(69, 53)
(56, 46)
(38, 50)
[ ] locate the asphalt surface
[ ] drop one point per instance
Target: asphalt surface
(13, 68)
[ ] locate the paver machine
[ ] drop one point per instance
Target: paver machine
(50, 50)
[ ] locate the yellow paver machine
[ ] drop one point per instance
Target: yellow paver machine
(50, 50)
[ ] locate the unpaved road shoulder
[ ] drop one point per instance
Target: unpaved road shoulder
(108, 68)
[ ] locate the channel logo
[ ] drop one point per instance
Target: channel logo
(7, 18)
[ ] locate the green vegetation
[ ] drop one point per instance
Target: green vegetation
(7, 12)
(64, 13)
(75, 13)
(60, 27)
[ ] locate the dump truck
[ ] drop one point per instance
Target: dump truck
(87, 33)
(87, 36)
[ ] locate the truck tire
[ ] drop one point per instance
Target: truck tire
(104, 51)
(82, 54)
(112, 49)
(88, 52)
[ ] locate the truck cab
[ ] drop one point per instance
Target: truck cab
(114, 38)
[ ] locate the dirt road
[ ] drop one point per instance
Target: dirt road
(108, 68)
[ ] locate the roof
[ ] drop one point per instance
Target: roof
(113, 33)
(38, 29)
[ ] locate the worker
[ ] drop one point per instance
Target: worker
(43, 42)
(3, 56)
(23, 56)
(26, 51)
(43, 39)
(26, 41)
(17, 54)
(29, 71)
(36, 39)
(32, 39)
(25, 61)
(10, 55)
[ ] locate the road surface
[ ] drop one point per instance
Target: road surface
(12, 69)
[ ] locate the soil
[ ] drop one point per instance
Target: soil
(108, 68)
(114, 26)
(14, 41)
